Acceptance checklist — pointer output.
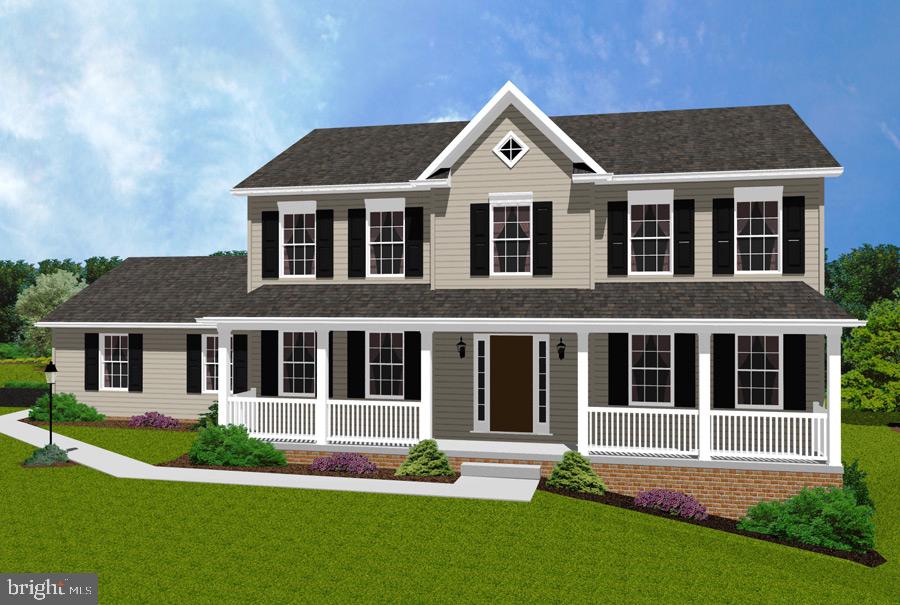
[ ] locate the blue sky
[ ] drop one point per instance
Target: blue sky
(124, 125)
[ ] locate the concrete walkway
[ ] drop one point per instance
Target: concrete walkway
(117, 465)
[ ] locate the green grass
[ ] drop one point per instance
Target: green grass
(167, 542)
(148, 445)
(21, 371)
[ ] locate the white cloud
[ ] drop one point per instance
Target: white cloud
(449, 115)
(330, 28)
(891, 135)
(641, 53)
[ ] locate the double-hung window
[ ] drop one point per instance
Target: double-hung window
(298, 238)
(651, 369)
(650, 232)
(511, 235)
(211, 364)
(385, 365)
(758, 229)
(386, 236)
(758, 371)
(298, 363)
(114, 362)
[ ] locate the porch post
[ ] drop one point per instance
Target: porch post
(583, 369)
(833, 340)
(224, 373)
(704, 404)
(426, 406)
(321, 415)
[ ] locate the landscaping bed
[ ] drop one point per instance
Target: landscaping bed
(303, 469)
(19, 397)
(870, 559)
(54, 465)
(112, 423)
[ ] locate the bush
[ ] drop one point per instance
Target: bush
(11, 350)
(25, 384)
(344, 462)
(210, 418)
(873, 354)
(425, 460)
(232, 446)
(65, 409)
(672, 502)
(819, 517)
(153, 420)
(855, 481)
(48, 455)
(574, 473)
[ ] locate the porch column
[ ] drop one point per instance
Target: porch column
(224, 372)
(321, 415)
(583, 369)
(426, 406)
(833, 344)
(704, 404)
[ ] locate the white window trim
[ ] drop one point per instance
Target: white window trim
(758, 194)
(538, 427)
(510, 135)
(204, 390)
(281, 391)
(294, 207)
(369, 394)
(653, 404)
(497, 200)
(653, 197)
(102, 353)
(393, 204)
(482, 426)
(761, 408)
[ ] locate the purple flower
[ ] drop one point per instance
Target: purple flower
(344, 462)
(153, 420)
(672, 502)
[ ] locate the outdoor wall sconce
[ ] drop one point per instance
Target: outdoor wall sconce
(561, 349)
(461, 348)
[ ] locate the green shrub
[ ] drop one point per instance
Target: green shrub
(819, 517)
(65, 409)
(855, 481)
(48, 455)
(425, 460)
(574, 473)
(12, 350)
(210, 418)
(232, 446)
(25, 384)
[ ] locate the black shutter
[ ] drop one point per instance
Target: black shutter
(240, 363)
(617, 238)
(268, 363)
(270, 243)
(543, 238)
(723, 236)
(415, 230)
(356, 365)
(685, 370)
(135, 363)
(91, 361)
(356, 242)
(618, 368)
(479, 239)
(683, 233)
(723, 371)
(794, 377)
(792, 262)
(194, 364)
(412, 365)
(325, 243)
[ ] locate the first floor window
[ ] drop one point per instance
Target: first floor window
(211, 364)
(299, 241)
(115, 361)
(482, 382)
(511, 231)
(758, 364)
(386, 240)
(298, 363)
(650, 238)
(757, 236)
(651, 369)
(386, 364)
(542, 381)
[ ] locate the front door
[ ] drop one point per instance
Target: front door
(511, 384)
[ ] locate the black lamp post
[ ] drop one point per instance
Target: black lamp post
(50, 374)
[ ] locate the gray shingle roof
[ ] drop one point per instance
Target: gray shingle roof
(692, 140)
(180, 289)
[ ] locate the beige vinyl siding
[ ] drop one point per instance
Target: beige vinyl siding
(164, 369)
(340, 203)
(703, 195)
(598, 362)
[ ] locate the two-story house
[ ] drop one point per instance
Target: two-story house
(645, 288)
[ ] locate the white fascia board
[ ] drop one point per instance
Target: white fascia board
(119, 325)
(417, 184)
(728, 175)
(508, 95)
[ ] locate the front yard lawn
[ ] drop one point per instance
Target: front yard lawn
(173, 542)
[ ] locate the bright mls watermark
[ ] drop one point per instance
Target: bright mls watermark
(75, 588)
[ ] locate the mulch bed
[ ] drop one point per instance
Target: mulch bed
(303, 469)
(870, 559)
(895, 426)
(109, 423)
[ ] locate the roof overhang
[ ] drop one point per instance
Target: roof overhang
(119, 325)
(508, 95)
(725, 175)
(416, 185)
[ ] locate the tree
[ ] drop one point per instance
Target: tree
(861, 277)
(14, 277)
(873, 352)
(52, 265)
(96, 266)
(37, 301)
(230, 253)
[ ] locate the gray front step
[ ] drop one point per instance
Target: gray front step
(501, 471)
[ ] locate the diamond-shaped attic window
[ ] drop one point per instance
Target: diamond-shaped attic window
(510, 149)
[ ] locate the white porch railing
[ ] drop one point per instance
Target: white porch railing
(373, 422)
(275, 417)
(781, 435)
(619, 430)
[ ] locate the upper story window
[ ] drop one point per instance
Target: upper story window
(386, 237)
(114, 362)
(651, 369)
(510, 149)
(650, 231)
(298, 238)
(511, 237)
(758, 229)
(758, 371)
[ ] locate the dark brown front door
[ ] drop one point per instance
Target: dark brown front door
(511, 384)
